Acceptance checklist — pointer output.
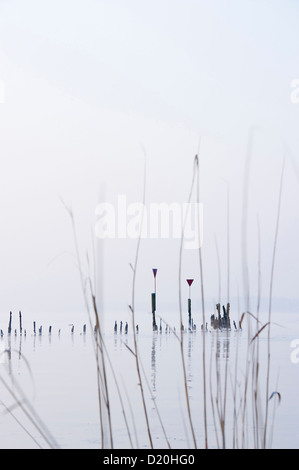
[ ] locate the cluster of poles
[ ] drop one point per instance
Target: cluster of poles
(124, 329)
(35, 331)
(217, 320)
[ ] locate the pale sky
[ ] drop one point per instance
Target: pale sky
(88, 87)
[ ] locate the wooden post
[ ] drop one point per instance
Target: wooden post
(9, 325)
(224, 317)
(227, 312)
(219, 315)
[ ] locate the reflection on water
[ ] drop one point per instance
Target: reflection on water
(222, 347)
(65, 374)
(226, 343)
(218, 344)
(120, 343)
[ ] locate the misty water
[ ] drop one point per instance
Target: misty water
(56, 375)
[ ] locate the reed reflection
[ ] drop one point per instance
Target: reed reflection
(221, 346)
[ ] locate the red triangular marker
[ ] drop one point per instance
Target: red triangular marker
(155, 272)
(189, 281)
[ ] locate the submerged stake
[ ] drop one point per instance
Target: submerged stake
(20, 317)
(9, 325)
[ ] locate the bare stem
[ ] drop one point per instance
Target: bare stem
(181, 317)
(270, 302)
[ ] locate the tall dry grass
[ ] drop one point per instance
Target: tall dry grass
(223, 381)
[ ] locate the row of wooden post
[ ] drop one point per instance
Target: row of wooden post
(34, 326)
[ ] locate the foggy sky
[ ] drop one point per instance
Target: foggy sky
(93, 87)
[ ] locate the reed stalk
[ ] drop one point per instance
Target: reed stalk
(270, 301)
(103, 395)
(132, 308)
(180, 309)
(203, 310)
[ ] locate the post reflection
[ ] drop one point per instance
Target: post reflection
(190, 346)
(222, 346)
